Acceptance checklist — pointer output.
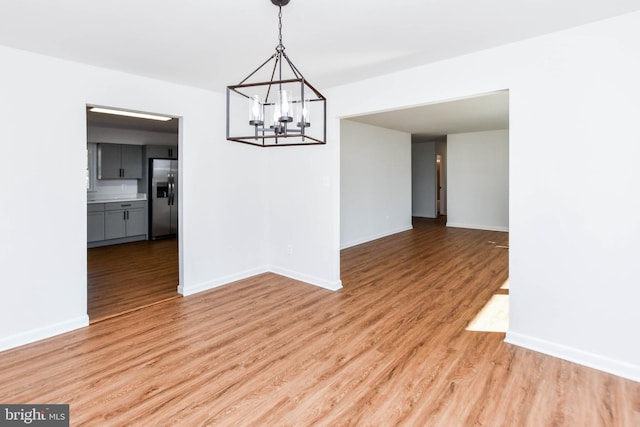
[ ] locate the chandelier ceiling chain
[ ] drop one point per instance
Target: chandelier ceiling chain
(280, 108)
(280, 45)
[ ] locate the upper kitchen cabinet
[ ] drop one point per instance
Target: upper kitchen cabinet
(109, 161)
(162, 151)
(119, 161)
(131, 161)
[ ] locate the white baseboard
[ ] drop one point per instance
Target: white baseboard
(45, 332)
(83, 321)
(316, 281)
(478, 226)
(374, 237)
(205, 286)
(591, 360)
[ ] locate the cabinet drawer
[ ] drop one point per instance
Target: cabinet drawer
(95, 207)
(124, 205)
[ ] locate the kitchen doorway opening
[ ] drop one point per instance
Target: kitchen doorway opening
(132, 213)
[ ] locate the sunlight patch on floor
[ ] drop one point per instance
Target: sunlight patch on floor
(494, 316)
(505, 285)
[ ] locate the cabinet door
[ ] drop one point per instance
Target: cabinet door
(136, 222)
(95, 226)
(114, 224)
(109, 161)
(132, 161)
(162, 151)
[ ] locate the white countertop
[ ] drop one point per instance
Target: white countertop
(116, 198)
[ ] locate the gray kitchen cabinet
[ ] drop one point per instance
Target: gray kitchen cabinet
(136, 222)
(162, 152)
(119, 161)
(124, 219)
(132, 161)
(115, 225)
(95, 222)
(111, 223)
(109, 161)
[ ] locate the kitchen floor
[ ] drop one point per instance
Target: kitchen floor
(130, 276)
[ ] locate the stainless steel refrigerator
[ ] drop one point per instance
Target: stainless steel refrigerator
(163, 179)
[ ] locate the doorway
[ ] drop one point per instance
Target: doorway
(126, 269)
(439, 186)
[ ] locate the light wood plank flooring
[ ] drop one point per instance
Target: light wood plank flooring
(390, 348)
(130, 276)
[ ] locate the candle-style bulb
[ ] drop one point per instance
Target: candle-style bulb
(282, 105)
(303, 115)
(256, 112)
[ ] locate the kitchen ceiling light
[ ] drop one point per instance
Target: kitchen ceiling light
(280, 104)
(129, 114)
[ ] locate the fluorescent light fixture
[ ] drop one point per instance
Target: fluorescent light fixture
(129, 114)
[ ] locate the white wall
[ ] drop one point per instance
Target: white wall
(237, 201)
(375, 186)
(574, 145)
(43, 245)
(423, 179)
(302, 227)
(478, 180)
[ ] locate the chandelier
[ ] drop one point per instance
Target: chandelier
(275, 105)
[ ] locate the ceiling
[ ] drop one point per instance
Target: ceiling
(427, 122)
(210, 44)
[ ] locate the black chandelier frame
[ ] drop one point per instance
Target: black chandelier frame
(284, 131)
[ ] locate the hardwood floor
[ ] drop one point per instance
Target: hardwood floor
(390, 348)
(130, 276)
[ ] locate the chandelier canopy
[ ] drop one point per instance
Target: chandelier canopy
(275, 105)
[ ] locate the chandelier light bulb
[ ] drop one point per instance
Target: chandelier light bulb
(282, 105)
(256, 113)
(303, 116)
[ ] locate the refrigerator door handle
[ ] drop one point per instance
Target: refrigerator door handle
(172, 189)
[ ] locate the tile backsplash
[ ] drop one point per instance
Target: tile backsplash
(116, 187)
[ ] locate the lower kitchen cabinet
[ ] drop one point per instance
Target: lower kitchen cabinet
(116, 222)
(124, 219)
(95, 222)
(136, 222)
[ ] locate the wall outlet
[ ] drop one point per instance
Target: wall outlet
(289, 249)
